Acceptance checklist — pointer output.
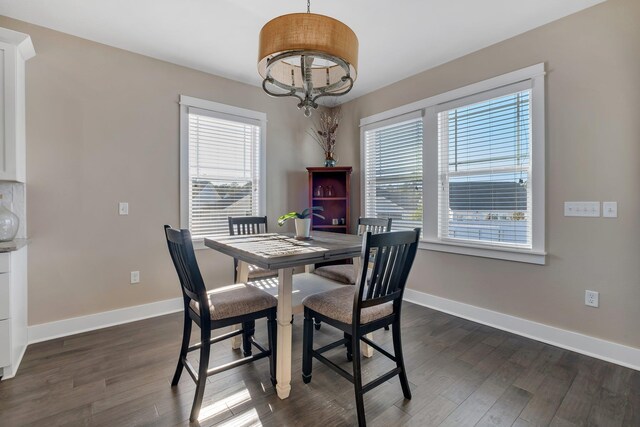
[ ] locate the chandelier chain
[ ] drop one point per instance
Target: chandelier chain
(308, 6)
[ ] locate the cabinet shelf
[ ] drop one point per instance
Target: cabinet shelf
(329, 198)
(335, 204)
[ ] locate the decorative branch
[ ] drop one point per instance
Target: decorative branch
(324, 131)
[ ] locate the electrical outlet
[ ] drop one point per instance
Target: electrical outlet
(123, 208)
(135, 277)
(591, 298)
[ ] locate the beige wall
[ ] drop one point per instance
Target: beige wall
(102, 127)
(593, 153)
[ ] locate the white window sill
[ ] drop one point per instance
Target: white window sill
(527, 256)
(198, 244)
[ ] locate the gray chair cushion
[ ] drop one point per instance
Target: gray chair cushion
(338, 304)
(236, 300)
(344, 273)
(256, 272)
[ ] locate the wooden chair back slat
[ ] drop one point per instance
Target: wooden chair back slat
(184, 259)
(241, 225)
(392, 255)
(374, 225)
(380, 300)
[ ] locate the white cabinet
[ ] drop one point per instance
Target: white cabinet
(15, 49)
(13, 310)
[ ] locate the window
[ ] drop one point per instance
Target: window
(222, 165)
(392, 155)
(483, 171)
(482, 165)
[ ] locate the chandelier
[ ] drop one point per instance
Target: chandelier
(308, 56)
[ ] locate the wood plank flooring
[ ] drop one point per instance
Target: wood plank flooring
(461, 374)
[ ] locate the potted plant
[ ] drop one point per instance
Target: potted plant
(302, 220)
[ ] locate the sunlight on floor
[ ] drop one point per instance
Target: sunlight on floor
(222, 405)
(238, 399)
(212, 410)
(246, 419)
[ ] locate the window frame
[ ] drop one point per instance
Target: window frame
(430, 107)
(227, 112)
(414, 115)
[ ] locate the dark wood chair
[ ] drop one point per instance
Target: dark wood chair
(241, 225)
(221, 307)
(374, 225)
(362, 309)
(346, 273)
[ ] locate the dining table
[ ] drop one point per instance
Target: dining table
(284, 253)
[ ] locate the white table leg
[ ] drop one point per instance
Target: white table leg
(310, 268)
(242, 277)
(283, 362)
(366, 349)
(356, 264)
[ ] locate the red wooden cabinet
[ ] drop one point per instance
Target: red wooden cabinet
(331, 189)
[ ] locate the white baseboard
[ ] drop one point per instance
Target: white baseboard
(76, 325)
(595, 347)
(6, 374)
(574, 341)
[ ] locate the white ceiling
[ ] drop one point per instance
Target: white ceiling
(398, 38)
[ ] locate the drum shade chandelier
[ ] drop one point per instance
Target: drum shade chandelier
(308, 56)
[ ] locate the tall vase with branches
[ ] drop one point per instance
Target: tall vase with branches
(324, 134)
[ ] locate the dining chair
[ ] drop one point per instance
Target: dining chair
(242, 225)
(346, 273)
(364, 308)
(221, 307)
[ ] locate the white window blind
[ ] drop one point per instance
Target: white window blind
(393, 172)
(224, 170)
(484, 171)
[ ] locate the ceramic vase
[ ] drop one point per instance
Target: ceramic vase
(329, 160)
(303, 228)
(9, 224)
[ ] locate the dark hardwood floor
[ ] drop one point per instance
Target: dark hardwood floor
(461, 374)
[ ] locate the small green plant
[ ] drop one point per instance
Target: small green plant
(301, 215)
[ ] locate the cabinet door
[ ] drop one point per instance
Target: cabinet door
(5, 343)
(5, 296)
(12, 111)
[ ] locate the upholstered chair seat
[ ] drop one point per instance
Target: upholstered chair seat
(346, 273)
(236, 300)
(337, 304)
(257, 273)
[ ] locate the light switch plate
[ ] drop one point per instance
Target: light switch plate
(123, 208)
(610, 209)
(584, 209)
